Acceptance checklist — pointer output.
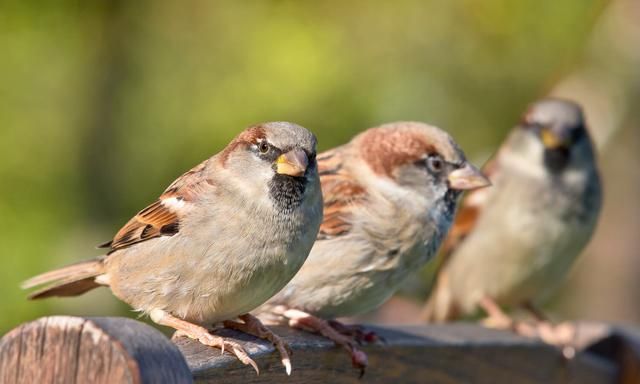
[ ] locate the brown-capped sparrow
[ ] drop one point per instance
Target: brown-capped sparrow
(220, 241)
(389, 199)
(513, 244)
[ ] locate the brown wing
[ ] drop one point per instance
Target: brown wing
(341, 194)
(162, 218)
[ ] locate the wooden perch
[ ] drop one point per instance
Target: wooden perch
(64, 349)
(113, 350)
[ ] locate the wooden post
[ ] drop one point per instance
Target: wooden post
(622, 345)
(64, 349)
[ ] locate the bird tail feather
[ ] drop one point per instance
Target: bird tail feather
(72, 280)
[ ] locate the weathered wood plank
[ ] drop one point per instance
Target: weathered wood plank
(64, 349)
(105, 350)
(457, 353)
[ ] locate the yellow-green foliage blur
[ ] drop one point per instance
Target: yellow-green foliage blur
(103, 104)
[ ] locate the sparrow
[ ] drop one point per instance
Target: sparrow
(389, 199)
(221, 240)
(513, 244)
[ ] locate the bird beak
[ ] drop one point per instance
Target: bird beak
(293, 163)
(467, 177)
(551, 140)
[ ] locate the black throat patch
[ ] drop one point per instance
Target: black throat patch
(287, 192)
(556, 160)
(451, 200)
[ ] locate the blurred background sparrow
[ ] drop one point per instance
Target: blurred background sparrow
(221, 240)
(512, 245)
(389, 199)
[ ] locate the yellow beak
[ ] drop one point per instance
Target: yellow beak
(551, 140)
(467, 177)
(293, 163)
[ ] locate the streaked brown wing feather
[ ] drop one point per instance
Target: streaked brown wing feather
(153, 221)
(341, 193)
(159, 219)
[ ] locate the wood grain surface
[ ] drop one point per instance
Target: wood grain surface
(64, 349)
(459, 353)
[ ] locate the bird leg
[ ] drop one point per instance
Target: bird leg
(544, 328)
(356, 331)
(252, 325)
(308, 322)
(497, 319)
(535, 312)
(197, 332)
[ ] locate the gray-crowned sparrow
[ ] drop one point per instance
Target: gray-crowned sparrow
(220, 241)
(513, 244)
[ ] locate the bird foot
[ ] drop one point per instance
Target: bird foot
(521, 328)
(197, 332)
(356, 331)
(497, 319)
(561, 335)
(253, 326)
(308, 322)
(224, 344)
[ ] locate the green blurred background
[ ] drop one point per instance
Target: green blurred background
(103, 104)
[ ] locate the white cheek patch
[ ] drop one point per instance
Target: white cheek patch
(174, 203)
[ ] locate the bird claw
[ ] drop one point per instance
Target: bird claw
(561, 335)
(242, 355)
(332, 331)
(223, 344)
(287, 365)
(372, 337)
(253, 326)
(357, 332)
(359, 360)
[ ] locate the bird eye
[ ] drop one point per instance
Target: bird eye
(435, 164)
(263, 147)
